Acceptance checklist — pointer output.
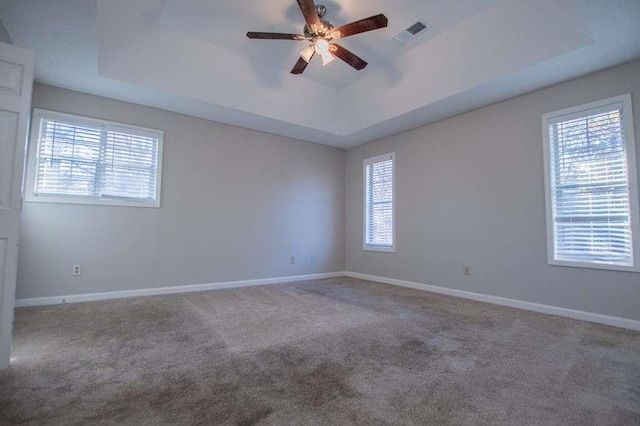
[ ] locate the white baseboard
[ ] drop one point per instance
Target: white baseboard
(530, 306)
(514, 303)
(55, 300)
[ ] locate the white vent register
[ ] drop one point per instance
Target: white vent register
(411, 32)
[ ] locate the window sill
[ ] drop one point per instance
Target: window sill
(89, 201)
(602, 266)
(383, 249)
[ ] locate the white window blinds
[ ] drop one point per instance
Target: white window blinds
(590, 187)
(83, 159)
(379, 200)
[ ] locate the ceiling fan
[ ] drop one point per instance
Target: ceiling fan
(321, 34)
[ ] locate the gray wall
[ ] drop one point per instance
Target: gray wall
(4, 35)
(235, 205)
(470, 192)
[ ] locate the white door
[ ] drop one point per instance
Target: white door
(16, 81)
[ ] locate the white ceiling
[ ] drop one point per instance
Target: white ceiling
(192, 57)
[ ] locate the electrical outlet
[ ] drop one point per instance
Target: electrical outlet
(467, 270)
(313, 258)
(292, 260)
(77, 270)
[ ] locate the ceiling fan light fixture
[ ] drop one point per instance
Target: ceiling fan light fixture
(307, 53)
(322, 49)
(322, 46)
(327, 58)
(320, 32)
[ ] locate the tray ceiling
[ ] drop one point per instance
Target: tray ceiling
(192, 56)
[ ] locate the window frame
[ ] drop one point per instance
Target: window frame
(630, 147)
(31, 170)
(365, 163)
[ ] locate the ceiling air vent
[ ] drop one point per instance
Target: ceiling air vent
(411, 32)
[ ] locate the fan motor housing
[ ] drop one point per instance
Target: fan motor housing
(326, 25)
(322, 32)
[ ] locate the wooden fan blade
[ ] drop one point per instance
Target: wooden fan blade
(361, 26)
(275, 36)
(309, 11)
(300, 66)
(347, 56)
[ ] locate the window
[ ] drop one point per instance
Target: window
(591, 186)
(87, 161)
(379, 215)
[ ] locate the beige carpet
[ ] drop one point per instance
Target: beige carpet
(337, 351)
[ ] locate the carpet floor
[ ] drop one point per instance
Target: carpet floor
(336, 351)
